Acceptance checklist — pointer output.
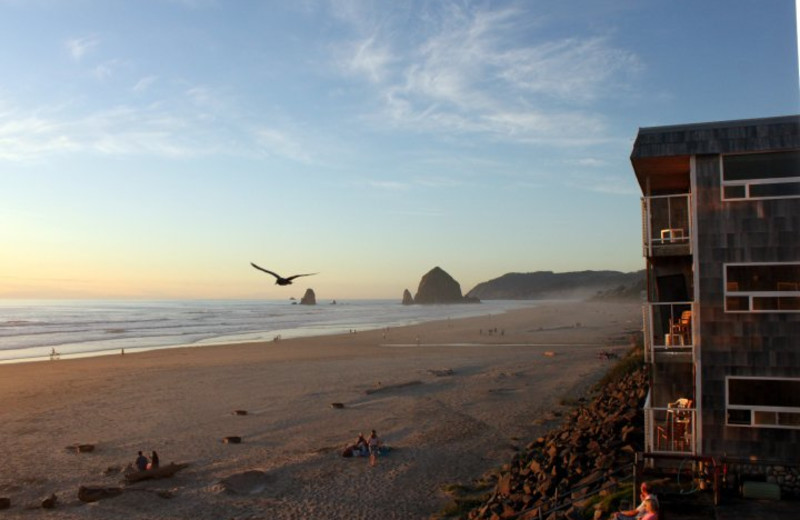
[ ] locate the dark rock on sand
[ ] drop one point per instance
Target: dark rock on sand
(5, 502)
(50, 502)
(246, 483)
(309, 298)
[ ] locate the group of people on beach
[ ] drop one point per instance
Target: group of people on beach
(142, 463)
(369, 446)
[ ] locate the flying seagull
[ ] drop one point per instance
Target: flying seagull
(280, 280)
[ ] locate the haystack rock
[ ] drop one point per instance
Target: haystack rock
(407, 298)
(309, 298)
(439, 287)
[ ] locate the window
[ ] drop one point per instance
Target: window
(761, 176)
(767, 287)
(762, 402)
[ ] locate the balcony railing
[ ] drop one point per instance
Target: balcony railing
(670, 429)
(669, 330)
(666, 225)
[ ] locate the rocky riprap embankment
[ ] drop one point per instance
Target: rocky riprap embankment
(595, 446)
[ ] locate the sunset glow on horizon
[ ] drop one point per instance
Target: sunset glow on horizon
(154, 149)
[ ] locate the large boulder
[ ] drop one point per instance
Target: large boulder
(309, 298)
(407, 298)
(439, 287)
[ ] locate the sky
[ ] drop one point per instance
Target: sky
(152, 149)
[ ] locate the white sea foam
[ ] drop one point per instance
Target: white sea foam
(31, 330)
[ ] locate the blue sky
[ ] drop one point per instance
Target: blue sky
(152, 149)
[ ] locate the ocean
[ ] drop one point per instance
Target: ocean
(35, 329)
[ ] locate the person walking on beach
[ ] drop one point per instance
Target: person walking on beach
(374, 444)
(141, 462)
(153, 461)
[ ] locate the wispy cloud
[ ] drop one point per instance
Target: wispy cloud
(196, 4)
(427, 213)
(438, 182)
(194, 122)
(432, 182)
(144, 84)
(573, 69)
(105, 70)
(466, 70)
(603, 183)
(389, 185)
(368, 58)
(589, 162)
(28, 136)
(78, 47)
(279, 143)
(120, 130)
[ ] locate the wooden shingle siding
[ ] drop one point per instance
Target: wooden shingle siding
(763, 345)
(757, 230)
(753, 135)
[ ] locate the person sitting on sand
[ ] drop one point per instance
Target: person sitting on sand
(153, 461)
(374, 444)
(361, 447)
(141, 462)
(641, 510)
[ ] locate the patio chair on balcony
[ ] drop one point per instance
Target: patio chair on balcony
(673, 437)
(681, 418)
(663, 438)
(680, 330)
(683, 327)
(676, 432)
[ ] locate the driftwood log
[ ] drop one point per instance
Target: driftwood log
(81, 448)
(162, 472)
(383, 388)
(93, 494)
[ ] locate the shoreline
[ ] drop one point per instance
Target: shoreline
(449, 412)
(282, 322)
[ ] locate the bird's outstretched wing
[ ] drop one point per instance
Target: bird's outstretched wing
(299, 275)
(276, 275)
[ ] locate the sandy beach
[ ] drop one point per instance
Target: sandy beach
(452, 399)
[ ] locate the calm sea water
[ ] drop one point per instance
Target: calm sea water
(31, 330)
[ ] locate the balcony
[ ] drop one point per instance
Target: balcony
(670, 429)
(668, 332)
(666, 225)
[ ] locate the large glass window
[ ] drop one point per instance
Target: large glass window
(763, 402)
(761, 176)
(767, 287)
